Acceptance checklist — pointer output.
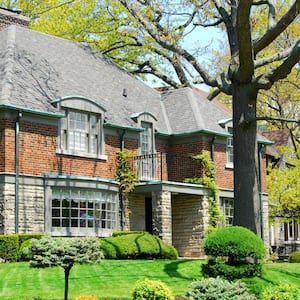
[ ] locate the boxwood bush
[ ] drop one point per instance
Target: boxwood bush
(294, 257)
(10, 245)
(152, 290)
(136, 245)
(235, 252)
(281, 292)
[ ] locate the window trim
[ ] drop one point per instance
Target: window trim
(100, 143)
(229, 154)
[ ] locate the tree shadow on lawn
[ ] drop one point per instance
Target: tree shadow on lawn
(172, 269)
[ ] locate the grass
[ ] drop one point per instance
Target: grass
(114, 279)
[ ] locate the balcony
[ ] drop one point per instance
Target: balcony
(165, 167)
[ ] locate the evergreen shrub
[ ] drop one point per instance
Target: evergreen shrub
(25, 253)
(9, 247)
(217, 288)
(152, 290)
(138, 245)
(294, 257)
(280, 292)
(235, 252)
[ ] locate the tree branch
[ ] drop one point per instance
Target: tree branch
(277, 29)
(278, 119)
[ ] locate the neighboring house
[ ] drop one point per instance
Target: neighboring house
(65, 113)
(284, 236)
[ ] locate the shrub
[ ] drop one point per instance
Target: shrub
(214, 268)
(85, 297)
(235, 252)
(281, 291)
(294, 257)
(136, 245)
(217, 288)
(9, 247)
(151, 289)
(25, 253)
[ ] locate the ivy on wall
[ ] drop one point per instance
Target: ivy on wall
(208, 179)
(127, 179)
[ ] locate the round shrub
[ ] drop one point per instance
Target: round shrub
(136, 245)
(234, 253)
(152, 290)
(280, 292)
(294, 257)
(217, 288)
(25, 253)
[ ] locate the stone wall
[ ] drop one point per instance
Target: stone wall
(31, 208)
(190, 222)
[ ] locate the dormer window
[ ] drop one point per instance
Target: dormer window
(81, 130)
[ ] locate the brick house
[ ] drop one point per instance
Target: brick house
(65, 113)
(284, 236)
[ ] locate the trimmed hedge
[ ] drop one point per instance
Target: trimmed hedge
(137, 245)
(235, 252)
(10, 245)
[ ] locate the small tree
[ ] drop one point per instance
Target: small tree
(64, 252)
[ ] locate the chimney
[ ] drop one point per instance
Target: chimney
(10, 17)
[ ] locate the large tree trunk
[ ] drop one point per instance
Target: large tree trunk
(246, 175)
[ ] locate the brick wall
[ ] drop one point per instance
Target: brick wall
(37, 152)
(8, 17)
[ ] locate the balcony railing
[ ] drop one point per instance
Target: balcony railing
(161, 166)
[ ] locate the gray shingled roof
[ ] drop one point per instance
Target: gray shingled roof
(36, 69)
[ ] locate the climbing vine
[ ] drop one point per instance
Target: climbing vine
(125, 174)
(208, 179)
(127, 178)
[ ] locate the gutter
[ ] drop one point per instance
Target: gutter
(17, 150)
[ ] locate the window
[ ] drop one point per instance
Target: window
(81, 133)
(229, 148)
(146, 138)
(83, 209)
(292, 231)
(227, 210)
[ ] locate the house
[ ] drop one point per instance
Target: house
(284, 236)
(66, 111)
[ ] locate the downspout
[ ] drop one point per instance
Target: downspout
(260, 191)
(212, 150)
(17, 136)
(122, 206)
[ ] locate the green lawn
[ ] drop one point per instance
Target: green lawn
(115, 279)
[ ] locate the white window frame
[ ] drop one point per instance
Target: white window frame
(227, 207)
(90, 137)
(229, 148)
(83, 212)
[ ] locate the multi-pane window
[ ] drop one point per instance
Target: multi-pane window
(227, 210)
(229, 147)
(146, 138)
(81, 132)
(83, 208)
(292, 231)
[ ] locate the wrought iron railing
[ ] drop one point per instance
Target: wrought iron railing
(161, 166)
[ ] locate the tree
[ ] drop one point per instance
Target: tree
(147, 38)
(161, 26)
(284, 190)
(64, 252)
